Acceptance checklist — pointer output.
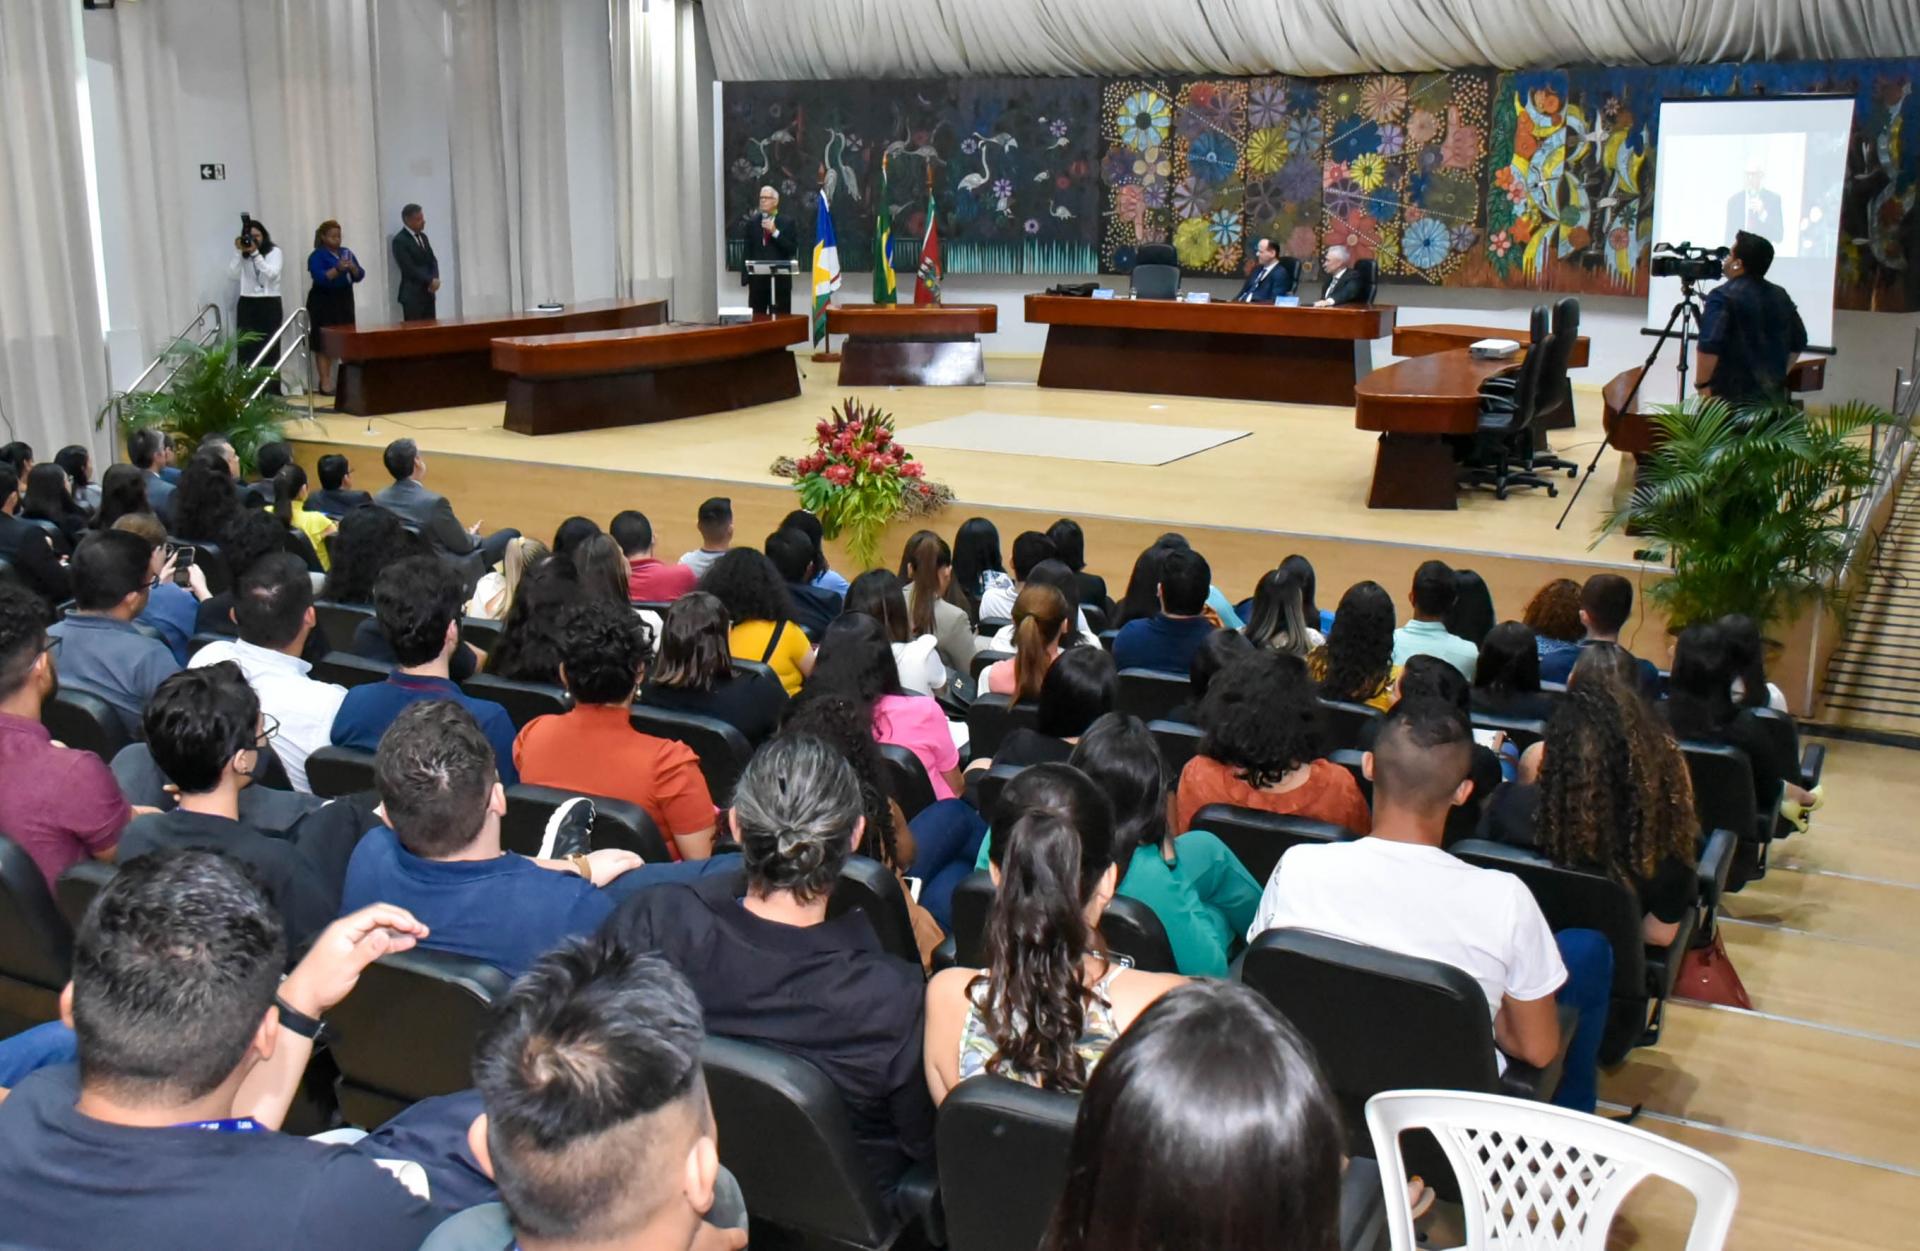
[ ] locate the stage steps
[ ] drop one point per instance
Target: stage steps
(1873, 682)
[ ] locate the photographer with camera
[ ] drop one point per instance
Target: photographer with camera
(256, 263)
(1750, 331)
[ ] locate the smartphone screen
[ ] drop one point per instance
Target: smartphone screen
(182, 562)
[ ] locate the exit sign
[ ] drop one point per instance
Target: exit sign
(212, 172)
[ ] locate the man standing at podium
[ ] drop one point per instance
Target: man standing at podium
(767, 235)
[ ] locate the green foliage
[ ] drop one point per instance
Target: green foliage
(208, 395)
(857, 479)
(1751, 508)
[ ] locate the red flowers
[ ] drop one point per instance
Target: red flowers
(913, 469)
(839, 475)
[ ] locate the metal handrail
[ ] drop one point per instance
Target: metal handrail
(187, 332)
(302, 325)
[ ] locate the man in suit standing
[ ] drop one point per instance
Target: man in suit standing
(1754, 209)
(419, 269)
(1344, 285)
(768, 235)
(433, 516)
(1267, 281)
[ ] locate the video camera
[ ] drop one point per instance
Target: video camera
(1687, 263)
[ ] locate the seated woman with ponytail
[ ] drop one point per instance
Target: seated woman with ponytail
(934, 605)
(289, 505)
(1051, 999)
(1040, 625)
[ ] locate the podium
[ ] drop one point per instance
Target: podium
(770, 285)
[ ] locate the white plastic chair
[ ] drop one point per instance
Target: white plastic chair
(1534, 1177)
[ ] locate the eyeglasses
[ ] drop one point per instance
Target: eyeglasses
(52, 646)
(269, 730)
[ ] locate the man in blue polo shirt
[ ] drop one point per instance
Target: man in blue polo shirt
(417, 601)
(1606, 604)
(1166, 641)
(1434, 590)
(99, 645)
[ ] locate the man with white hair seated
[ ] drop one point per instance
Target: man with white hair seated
(1344, 284)
(766, 234)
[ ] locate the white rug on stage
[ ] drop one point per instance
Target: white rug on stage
(1067, 438)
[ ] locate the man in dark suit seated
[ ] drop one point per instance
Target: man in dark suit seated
(336, 496)
(432, 515)
(1267, 280)
(1344, 284)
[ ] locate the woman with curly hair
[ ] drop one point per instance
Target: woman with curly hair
(533, 637)
(1263, 748)
(1554, 614)
(1356, 664)
(204, 503)
(367, 541)
(1051, 1000)
(751, 590)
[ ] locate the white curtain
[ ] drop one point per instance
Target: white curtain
(664, 211)
(53, 372)
(792, 39)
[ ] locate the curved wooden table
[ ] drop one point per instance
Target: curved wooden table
(438, 364)
(912, 345)
(1448, 336)
(1416, 405)
(1291, 355)
(565, 382)
(1630, 430)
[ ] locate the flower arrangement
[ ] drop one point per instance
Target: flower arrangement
(858, 479)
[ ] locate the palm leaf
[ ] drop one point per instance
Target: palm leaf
(211, 392)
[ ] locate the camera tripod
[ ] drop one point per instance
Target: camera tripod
(1686, 316)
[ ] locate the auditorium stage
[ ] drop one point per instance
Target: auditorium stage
(1298, 482)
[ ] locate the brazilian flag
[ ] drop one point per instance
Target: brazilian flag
(883, 279)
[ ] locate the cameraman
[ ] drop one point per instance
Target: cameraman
(256, 263)
(1750, 332)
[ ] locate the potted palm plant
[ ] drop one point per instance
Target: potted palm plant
(1751, 508)
(213, 391)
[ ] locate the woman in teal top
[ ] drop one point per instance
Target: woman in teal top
(1202, 894)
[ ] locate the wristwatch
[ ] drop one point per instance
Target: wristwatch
(581, 865)
(308, 1027)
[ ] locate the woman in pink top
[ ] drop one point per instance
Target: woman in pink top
(856, 662)
(1040, 623)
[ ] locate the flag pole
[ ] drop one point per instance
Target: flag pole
(825, 355)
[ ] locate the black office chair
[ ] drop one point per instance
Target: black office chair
(987, 787)
(81, 717)
(1782, 729)
(987, 627)
(990, 718)
(1150, 695)
(616, 822)
(213, 564)
(985, 659)
(1723, 799)
(1353, 761)
(1502, 453)
(480, 633)
(406, 1031)
(1258, 839)
(523, 701)
(907, 779)
(1643, 975)
(1556, 388)
(346, 669)
(1368, 272)
(1346, 723)
(1522, 732)
(1003, 1149)
(1156, 272)
(722, 749)
(36, 944)
(1289, 267)
(867, 886)
(75, 889)
(205, 637)
(1096, 617)
(336, 771)
(785, 1136)
(1129, 927)
(1178, 743)
(9, 576)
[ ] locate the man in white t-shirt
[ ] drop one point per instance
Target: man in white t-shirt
(1398, 891)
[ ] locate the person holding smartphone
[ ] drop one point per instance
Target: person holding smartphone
(256, 264)
(334, 269)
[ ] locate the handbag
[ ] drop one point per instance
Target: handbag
(1707, 975)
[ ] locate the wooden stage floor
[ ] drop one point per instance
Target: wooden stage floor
(1298, 483)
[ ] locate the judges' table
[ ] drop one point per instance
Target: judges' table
(1298, 355)
(1415, 405)
(565, 382)
(908, 345)
(437, 364)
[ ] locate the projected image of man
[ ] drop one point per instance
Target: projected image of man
(1750, 331)
(1754, 208)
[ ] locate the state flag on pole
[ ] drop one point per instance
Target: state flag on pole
(826, 267)
(883, 279)
(928, 290)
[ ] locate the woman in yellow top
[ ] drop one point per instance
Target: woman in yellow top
(1355, 664)
(289, 504)
(749, 588)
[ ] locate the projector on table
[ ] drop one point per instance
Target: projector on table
(1495, 349)
(735, 315)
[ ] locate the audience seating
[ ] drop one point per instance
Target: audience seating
(656, 606)
(983, 659)
(1724, 799)
(203, 638)
(1345, 722)
(481, 633)
(1522, 732)
(1178, 743)
(785, 1137)
(616, 823)
(1151, 695)
(1351, 759)
(722, 749)
(865, 885)
(907, 779)
(1129, 927)
(7, 574)
(81, 717)
(36, 944)
(1812, 757)
(337, 622)
(213, 565)
(1717, 852)
(1096, 615)
(75, 889)
(986, 787)
(336, 771)
(987, 627)
(1643, 975)
(349, 670)
(523, 701)
(406, 1032)
(990, 718)
(1258, 839)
